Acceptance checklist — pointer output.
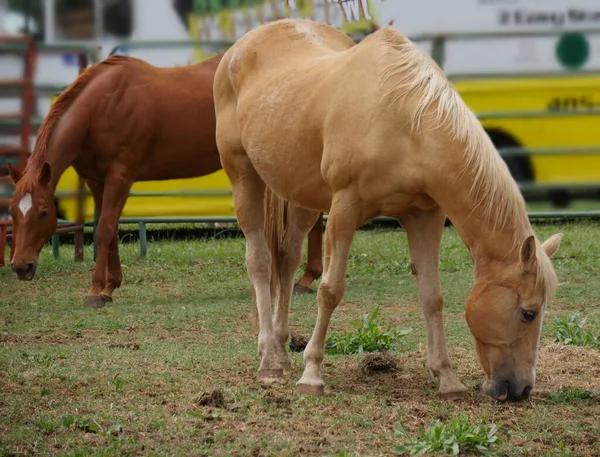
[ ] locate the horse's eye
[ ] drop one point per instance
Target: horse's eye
(43, 214)
(528, 316)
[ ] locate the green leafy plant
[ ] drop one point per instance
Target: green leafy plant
(460, 435)
(367, 336)
(576, 330)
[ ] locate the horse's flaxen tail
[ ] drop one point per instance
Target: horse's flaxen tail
(276, 223)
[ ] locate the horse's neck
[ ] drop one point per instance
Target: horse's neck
(489, 239)
(66, 141)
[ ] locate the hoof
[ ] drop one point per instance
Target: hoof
(270, 376)
(107, 298)
(309, 389)
(287, 367)
(300, 289)
(455, 394)
(94, 301)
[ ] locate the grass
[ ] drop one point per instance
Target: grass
(137, 377)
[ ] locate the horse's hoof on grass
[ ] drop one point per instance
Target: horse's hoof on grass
(309, 389)
(455, 395)
(107, 298)
(287, 367)
(270, 376)
(299, 289)
(94, 301)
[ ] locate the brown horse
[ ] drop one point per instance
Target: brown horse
(121, 121)
(305, 115)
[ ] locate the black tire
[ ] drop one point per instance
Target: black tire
(520, 167)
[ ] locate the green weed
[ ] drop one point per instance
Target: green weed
(460, 435)
(366, 337)
(577, 331)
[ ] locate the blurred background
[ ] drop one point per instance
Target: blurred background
(529, 69)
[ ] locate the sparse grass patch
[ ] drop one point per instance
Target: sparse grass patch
(571, 395)
(459, 435)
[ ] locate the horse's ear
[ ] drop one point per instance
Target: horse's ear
(15, 174)
(551, 245)
(528, 257)
(45, 174)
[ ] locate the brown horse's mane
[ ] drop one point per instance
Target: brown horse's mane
(62, 103)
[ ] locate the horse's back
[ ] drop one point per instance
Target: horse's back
(164, 117)
(323, 102)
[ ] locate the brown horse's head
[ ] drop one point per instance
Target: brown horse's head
(505, 310)
(34, 218)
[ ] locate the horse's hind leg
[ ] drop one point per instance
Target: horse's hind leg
(424, 231)
(300, 220)
(248, 199)
(314, 262)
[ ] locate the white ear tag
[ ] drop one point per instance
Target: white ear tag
(25, 204)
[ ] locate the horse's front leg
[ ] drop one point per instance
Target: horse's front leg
(424, 230)
(114, 195)
(114, 274)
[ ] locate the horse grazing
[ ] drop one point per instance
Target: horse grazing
(308, 121)
(122, 120)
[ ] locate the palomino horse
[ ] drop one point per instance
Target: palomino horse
(121, 121)
(367, 130)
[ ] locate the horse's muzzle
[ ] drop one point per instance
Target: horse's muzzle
(25, 271)
(502, 390)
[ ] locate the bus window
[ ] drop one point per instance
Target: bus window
(82, 20)
(21, 16)
(74, 19)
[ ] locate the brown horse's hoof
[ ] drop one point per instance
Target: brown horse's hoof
(270, 376)
(300, 289)
(107, 298)
(94, 301)
(308, 389)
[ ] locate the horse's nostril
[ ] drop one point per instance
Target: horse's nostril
(526, 392)
(23, 269)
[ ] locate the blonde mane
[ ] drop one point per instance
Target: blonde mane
(409, 72)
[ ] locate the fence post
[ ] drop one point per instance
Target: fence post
(143, 239)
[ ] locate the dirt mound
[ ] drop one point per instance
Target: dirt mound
(216, 399)
(297, 342)
(378, 362)
(132, 346)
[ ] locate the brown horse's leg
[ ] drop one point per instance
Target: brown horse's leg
(424, 231)
(299, 222)
(345, 216)
(114, 274)
(114, 195)
(314, 263)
